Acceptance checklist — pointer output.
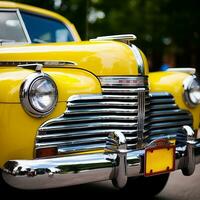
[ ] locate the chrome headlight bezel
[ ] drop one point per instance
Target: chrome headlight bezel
(187, 85)
(25, 96)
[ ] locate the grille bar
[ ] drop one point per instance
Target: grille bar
(86, 118)
(88, 125)
(163, 107)
(166, 118)
(121, 90)
(169, 124)
(141, 116)
(101, 111)
(85, 133)
(168, 112)
(102, 104)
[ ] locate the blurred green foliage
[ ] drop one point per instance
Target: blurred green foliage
(163, 27)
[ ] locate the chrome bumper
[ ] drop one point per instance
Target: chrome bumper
(117, 166)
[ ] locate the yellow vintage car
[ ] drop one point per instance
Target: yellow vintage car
(74, 112)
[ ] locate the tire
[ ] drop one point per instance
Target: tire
(146, 186)
(3, 186)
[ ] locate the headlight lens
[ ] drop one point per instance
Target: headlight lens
(39, 95)
(192, 91)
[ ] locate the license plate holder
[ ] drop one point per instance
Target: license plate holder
(159, 158)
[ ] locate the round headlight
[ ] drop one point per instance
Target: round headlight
(192, 91)
(39, 95)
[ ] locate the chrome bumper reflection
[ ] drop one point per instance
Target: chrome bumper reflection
(116, 165)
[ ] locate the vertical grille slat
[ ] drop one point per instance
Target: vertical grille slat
(141, 116)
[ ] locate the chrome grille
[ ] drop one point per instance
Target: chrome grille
(90, 118)
(165, 119)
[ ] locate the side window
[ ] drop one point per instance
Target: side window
(11, 30)
(42, 29)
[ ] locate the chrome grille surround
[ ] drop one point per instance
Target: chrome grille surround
(125, 105)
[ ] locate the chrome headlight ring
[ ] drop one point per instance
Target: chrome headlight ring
(38, 95)
(192, 91)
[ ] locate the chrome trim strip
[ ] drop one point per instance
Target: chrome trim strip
(122, 90)
(47, 64)
(139, 59)
(123, 81)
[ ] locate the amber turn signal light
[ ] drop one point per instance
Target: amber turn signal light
(46, 152)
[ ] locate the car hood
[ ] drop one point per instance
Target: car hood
(100, 58)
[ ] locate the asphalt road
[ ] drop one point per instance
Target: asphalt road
(178, 187)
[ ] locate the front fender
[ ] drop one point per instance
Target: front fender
(18, 129)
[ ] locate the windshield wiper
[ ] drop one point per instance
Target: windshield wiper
(6, 41)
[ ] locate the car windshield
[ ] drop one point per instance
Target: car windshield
(43, 29)
(11, 30)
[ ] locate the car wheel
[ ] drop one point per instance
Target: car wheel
(146, 186)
